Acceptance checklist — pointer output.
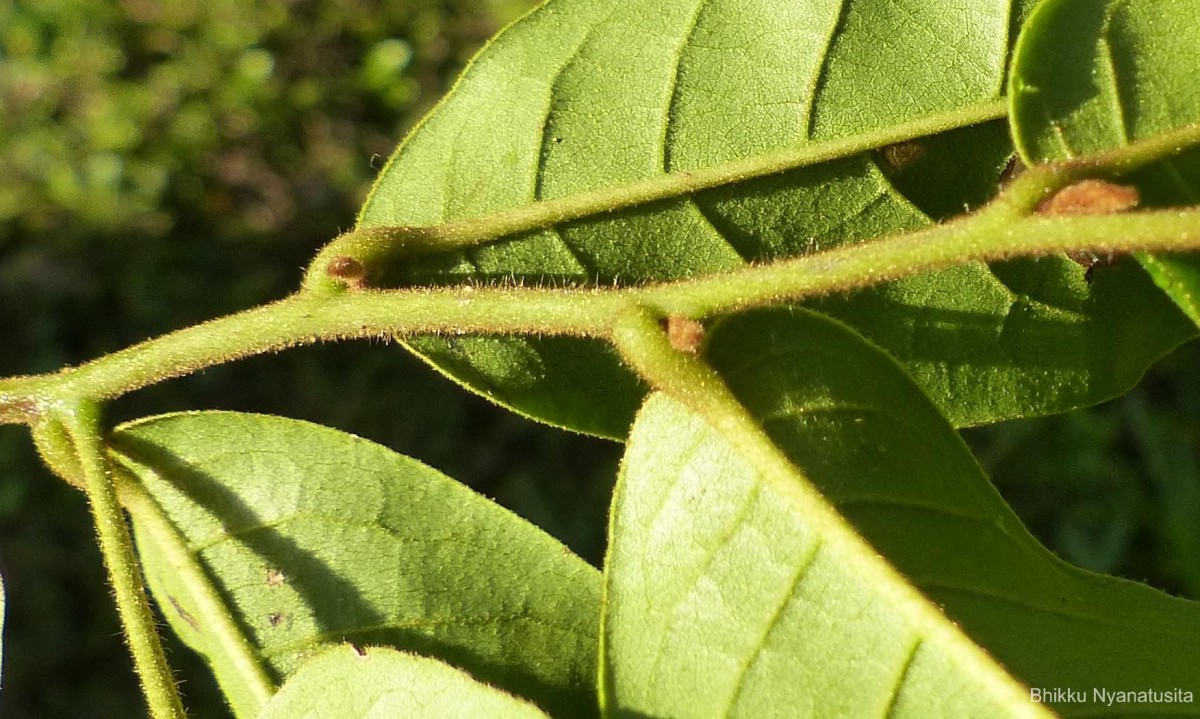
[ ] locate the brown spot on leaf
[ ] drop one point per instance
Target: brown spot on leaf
(1090, 261)
(183, 613)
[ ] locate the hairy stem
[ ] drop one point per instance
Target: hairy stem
(300, 320)
(372, 245)
(1024, 194)
(1008, 227)
(991, 234)
(226, 643)
(116, 545)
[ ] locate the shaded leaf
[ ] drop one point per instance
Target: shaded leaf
(952, 173)
(591, 94)
(561, 103)
(727, 544)
(1038, 336)
(313, 536)
(1126, 75)
(383, 683)
(556, 378)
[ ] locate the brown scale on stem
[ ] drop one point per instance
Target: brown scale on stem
(685, 334)
(1090, 197)
(348, 271)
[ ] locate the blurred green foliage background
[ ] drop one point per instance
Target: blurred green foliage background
(162, 163)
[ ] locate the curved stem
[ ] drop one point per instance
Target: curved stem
(1008, 227)
(991, 234)
(116, 545)
(304, 319)
(1025, 192)
(372, 245)
(986, 236)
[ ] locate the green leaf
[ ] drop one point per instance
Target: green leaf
(384, 683)
(1178, 275)
(590, 95)
(1125, 75)
(725, 590)
(311, 536)
(552, 379)
(951, 173)
(876, 448)
(723, 599)
(1037, 336)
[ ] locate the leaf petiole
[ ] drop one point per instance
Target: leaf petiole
(82, 424)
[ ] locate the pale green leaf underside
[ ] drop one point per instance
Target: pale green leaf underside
(314, 536)
(382, 683)
(587, 94)
(722, 600)
(1128, 73)
(1178, 276)
(723, 544)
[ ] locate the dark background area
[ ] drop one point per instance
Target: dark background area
(165, 163)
